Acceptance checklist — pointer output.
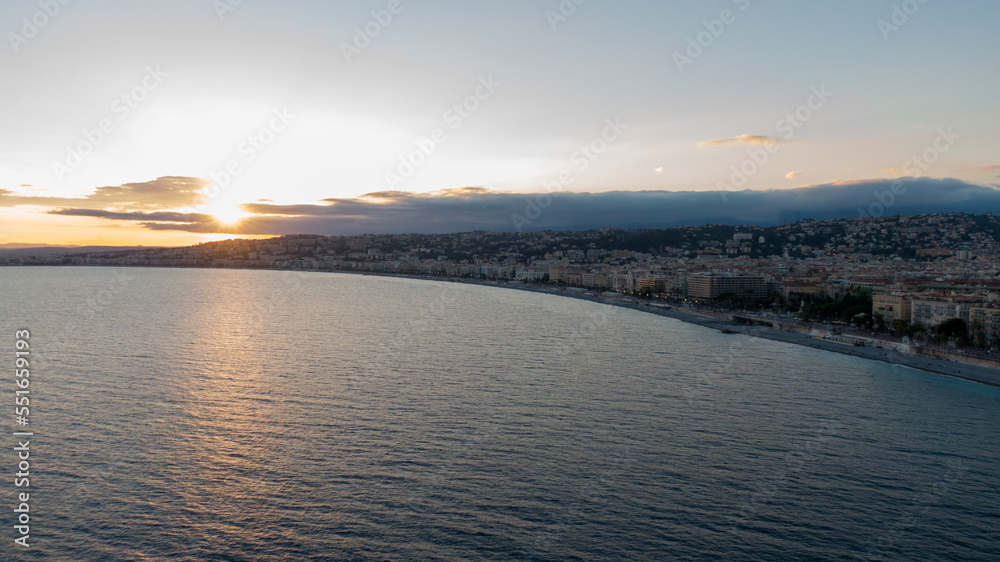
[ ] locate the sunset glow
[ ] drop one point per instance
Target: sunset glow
(294, 114)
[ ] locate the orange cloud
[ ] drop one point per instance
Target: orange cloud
(169, 192)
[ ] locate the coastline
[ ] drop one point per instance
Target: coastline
(971, 373)
(967, 372)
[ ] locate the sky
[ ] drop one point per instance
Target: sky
(171, 123)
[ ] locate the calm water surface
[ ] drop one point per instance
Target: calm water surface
(259, 415)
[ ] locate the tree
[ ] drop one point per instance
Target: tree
(978, 334)
(879, 322)
(952, 328)
(862, 320)
(917, 330)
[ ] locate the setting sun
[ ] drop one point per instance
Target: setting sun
(553, 279)
(227, 215)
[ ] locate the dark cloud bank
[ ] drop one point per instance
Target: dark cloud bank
(467, 209)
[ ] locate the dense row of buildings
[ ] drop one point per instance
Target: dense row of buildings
(923, 269)
(932, 309)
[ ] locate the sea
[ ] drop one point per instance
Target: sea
(200, 414)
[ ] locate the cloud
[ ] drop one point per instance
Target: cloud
(158, 217)
(992, 168)
(467, 209)
(397, 195)
(163, 193)
(163, 220)
(659, 170)
(752, 140)
(792, 175)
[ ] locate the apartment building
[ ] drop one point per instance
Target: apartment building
(710, 286)
(986, 317)
(892, 307)
(933, 312)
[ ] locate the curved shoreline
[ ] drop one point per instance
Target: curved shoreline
(962, 371)
(971, 373)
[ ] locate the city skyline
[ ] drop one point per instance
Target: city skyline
(526, 280)
(172, 125)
